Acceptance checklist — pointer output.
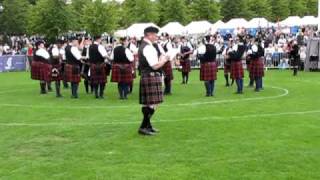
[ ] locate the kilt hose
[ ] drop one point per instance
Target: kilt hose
(56, 72)
(98, 74)
(122, 73)
(227, 68)
(40, 71)
(151, 89)
(167, 70)
(256, 68)
(186, 66)
(72, 73)
(208, 71)
(237, 70)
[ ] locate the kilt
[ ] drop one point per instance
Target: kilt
(151, 89)
(167, 70)
(98, 73)
(208, 71)
(72, 73)
(227, 68)
(186, 66)
(237, 70)
(40, 71)
(56, 70)
(256, 68)
(122, 73)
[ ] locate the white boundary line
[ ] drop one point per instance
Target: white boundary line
(285, 93)
(208, 118)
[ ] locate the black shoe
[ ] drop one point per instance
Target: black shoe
(154, 130)
(145, 131)
(227, 85)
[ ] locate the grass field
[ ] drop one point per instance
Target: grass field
(274, 134)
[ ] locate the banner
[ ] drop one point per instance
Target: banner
(13, 63)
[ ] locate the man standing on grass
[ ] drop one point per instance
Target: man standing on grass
(151, 94)
(208, 68)
(72, 68)
(97, 57)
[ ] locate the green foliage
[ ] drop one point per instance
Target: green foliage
(53, 17)
(204, 10)
(280, 9)
(99, 17)
(14, 16)
(49, 18)
(173, 10)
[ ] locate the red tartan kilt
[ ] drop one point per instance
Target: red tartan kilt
(237, 70)
(40, 71)
(186, 66)
(122, 73)
(208, 71)
(35, 70)
(72, 73)
(167, 70)
(257, 68)
(98, 73)
(227, 69)
(151, 90)
(59, 68)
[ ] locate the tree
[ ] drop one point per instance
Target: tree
(173, 10)
(99, 17)
(312, 7)
(205, 10)
(13, 18)
(140, 11)
(260, 8)
(49, 18)
(234, 9)
(76, 10)
(297, 7)
(280, 9)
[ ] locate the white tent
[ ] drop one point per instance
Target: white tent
(198, 27)
(173, 28)
(120, 33)
(291, 21)
(258, 22)
(136, 30)
(235, 23)
(217, 25)
(309, 20)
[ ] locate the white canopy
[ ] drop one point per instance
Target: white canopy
(309, 20)
(198, 27)
(235, 23)
(136, 30)
(120, 33)
(291, 21)
(217, 25)
(173, 28)
(258, 22)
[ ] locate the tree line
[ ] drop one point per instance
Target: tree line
(54, 17)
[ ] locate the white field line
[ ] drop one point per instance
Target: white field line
(208, 118)
(285, 93)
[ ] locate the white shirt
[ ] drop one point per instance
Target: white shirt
(76, 53)
(55, 51)
(150, 53)
(133, 48)
(43, 53)
(101, 50)
(62, 53)
(202, 49)
(129, 54)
